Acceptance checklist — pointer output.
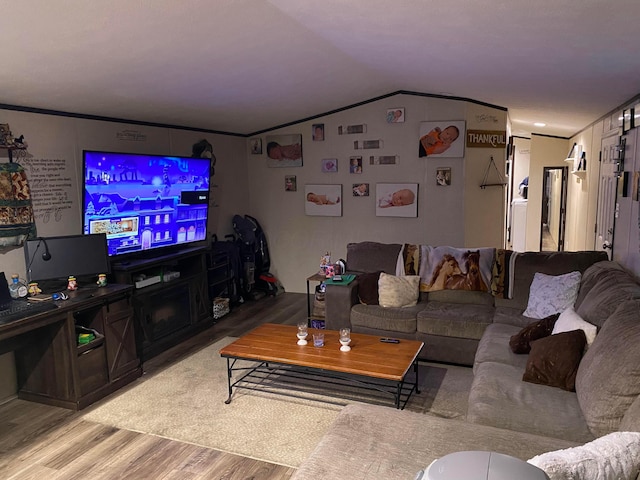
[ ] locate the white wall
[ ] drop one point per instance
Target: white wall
(460, 215)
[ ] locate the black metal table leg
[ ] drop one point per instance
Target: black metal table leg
(228, 400)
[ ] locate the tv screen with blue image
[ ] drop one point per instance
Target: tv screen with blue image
(144, 202)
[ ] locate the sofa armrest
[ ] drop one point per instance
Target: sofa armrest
(338, 302)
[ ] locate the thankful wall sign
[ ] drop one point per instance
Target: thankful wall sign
(487, 138)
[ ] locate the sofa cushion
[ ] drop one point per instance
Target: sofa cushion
(377, 442)
(521, 342)
(551, 294)
(461, 296)
(613, 457)
(511, 316)
(398, 291)
(455, 319)
(494, 346)
(570, 320)
(500, 398)
(390, 319)
(554, 360)
(368, 288)
(372, 256)
(605, 285)
(527, 264)
(608, 379)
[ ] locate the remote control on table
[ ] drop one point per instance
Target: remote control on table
(389, 340)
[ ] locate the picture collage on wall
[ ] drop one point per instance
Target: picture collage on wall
(436, 139)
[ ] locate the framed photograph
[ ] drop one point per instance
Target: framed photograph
(290, 183)
(383, 160)
(360, 189)
(443, 176)
(256, 146)
(329, 165)
(442, 139)
(317, 132)
(284, 150)
(397, 200)
(627, 120)
(323, 200)
(355, 164)
(395, 115)
(367, 144)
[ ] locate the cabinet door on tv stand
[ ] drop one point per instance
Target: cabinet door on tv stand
(200, 304)
(120, 336)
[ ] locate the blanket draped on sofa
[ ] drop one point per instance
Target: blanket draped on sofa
(450, 268)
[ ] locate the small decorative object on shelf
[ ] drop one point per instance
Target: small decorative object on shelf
(17, 289)
(325, 261)
(302, 333)
(34, 289)
(102, 280)
(318, 339)
(345, 339)
(72, 283)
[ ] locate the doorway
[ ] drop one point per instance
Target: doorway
(554, 208)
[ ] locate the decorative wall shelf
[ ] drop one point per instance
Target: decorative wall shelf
(499, 183)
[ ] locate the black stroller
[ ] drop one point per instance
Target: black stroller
(254, 253)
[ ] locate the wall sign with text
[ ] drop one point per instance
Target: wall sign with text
(487, 138)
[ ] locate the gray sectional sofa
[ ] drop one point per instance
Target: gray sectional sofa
(505, 414)
(449, 322)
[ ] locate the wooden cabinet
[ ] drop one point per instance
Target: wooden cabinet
(53, 368)
(170, 298)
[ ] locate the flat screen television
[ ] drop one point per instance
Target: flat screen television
(56, 258)
(145, 202)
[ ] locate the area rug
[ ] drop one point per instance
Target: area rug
(186, 402)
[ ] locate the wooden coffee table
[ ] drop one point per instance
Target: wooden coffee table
(370, 365)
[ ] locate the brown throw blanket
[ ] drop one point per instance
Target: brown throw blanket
(449, 268)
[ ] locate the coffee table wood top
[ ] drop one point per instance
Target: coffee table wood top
(368, 356)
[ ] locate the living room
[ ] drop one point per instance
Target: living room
(459, 213)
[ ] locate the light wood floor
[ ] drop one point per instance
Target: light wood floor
(38, 441)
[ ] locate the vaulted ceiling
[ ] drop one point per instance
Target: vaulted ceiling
(242, 66)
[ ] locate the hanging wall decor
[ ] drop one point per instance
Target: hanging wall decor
(329, 165)
(323, 200)
(290, 183)
(441, 139)
(360, 189)
(397, 200)
(256, 146)
(395, 115)
(284, 150)
(317, 132)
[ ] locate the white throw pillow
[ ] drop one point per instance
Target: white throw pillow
(570, 320)
(551, 294)
(615, 456)
(398, 291)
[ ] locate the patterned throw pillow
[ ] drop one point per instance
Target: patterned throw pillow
(398, 291)
(551, 294)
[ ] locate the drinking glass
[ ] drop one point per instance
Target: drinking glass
(345, 339)
(302, 333)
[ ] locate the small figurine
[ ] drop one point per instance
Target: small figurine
(324, 261)
(34, 289)
(72, 285)
(102, 280)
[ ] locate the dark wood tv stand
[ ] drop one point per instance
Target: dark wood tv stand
(168, 308)
(52, 368)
